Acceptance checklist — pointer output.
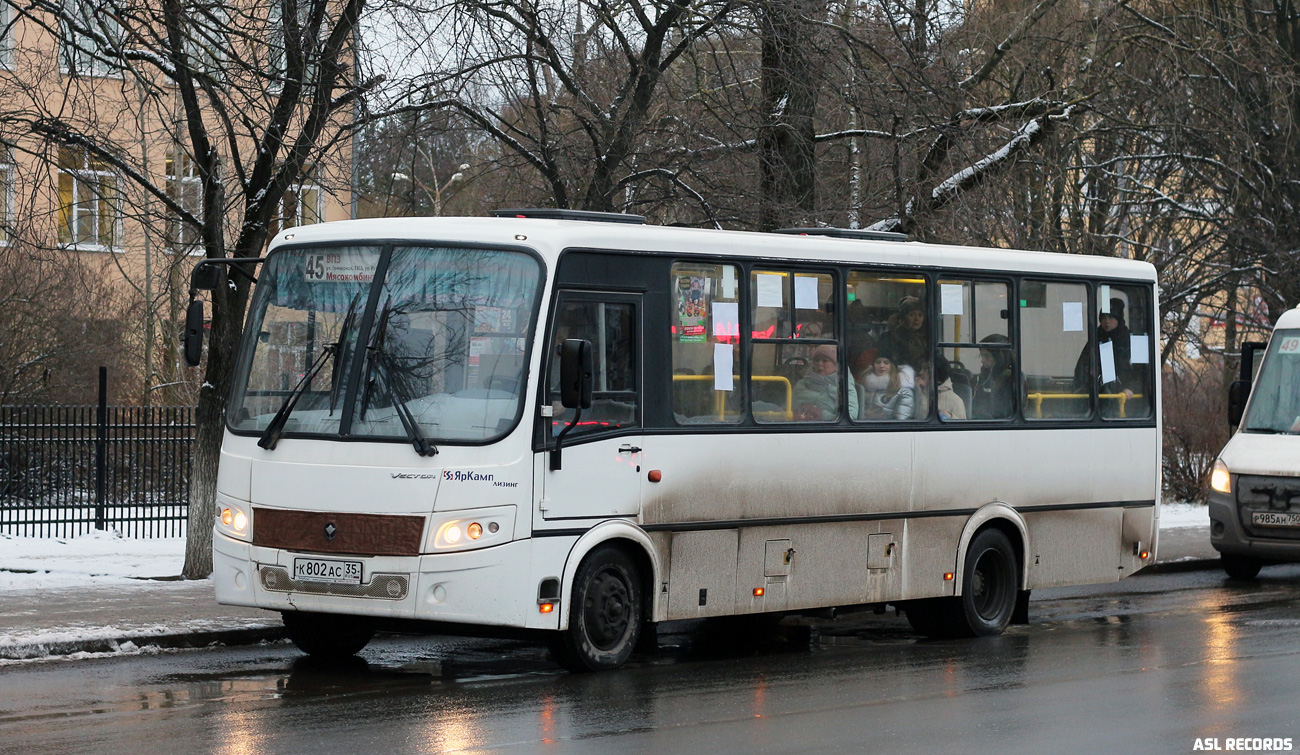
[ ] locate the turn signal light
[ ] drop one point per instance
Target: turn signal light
(759, 592)
(948, 576)
(546, 608)
(227, 517)
(1144, 555)
(475, 531)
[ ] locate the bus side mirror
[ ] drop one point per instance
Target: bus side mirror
(205, 277)
(194, 332)
(576, 373)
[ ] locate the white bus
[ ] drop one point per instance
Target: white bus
(575, 425)
(1254, 498)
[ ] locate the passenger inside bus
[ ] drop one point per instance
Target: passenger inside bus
(951, 406)
(994, 389)
(906, 338)
(817, 394)
(1111, 329)
(889, 390)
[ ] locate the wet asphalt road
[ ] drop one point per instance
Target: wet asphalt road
(1148, 665)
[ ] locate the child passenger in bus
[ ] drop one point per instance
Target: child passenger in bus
(951, 406)
(817, 394)
(890, 389)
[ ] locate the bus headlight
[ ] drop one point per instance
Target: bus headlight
(232, 520)
(464, 530)
(1220, 479)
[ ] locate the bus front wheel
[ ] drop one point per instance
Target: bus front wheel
(990, 583)
(323, 635)
(1240, 567)
(605, 618)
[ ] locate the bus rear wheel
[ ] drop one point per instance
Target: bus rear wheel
(990, 583)
(605, 616)
(1240, 567)
(329, 636)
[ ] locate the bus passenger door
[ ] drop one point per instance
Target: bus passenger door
(601, 456)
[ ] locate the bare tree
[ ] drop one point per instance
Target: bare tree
(248, 101)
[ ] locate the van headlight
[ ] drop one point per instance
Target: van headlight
(233, 521)
(1220, 479)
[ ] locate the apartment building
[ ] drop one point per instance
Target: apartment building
(97, 152)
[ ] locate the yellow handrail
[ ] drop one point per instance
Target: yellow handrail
(1036, 399)
(720, 397)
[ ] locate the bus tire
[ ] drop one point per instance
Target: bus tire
(1240, 567)
(329, 636)
(605, 615)
(990, 585)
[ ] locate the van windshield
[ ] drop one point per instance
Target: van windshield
(437, 352)
(1275, 400)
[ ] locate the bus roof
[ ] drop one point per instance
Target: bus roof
(550, 237)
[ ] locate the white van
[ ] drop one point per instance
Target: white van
(1255, 485)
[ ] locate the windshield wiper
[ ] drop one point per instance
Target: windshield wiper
(377, 356)
(275, 428)
(340, 358)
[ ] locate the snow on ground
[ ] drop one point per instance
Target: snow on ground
(95, 558)
(1179, 515)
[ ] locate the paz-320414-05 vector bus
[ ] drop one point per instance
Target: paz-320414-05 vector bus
(577, 425)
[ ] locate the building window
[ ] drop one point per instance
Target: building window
(90, 37)
(88, 197)
(186, 189)
(277, 40)
(6, 37)
(302, 204)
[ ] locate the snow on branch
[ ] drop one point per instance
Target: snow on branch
(969, 177)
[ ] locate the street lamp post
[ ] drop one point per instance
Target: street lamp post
(436, 193)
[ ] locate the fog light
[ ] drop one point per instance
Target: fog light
(240, 520)
(452, 534)
(475, 531)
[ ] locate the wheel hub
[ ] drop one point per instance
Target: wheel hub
(606, 610)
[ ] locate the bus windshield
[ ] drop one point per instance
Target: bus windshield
(1275, 402)
(441, 357)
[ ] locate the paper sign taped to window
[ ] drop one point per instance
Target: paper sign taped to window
(1138, 350)
(722, 367)
(770, 291)
(950, 299)
(1107, 362)
(805, 292)
(726, 319)
(1072, 316)
(1103, 304)
(728, 282)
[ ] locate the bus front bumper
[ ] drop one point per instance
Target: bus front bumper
(486, 587)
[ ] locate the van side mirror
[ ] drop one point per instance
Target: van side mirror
(1248, 350)
(194, 333)
(1238, 392)
(577, 368)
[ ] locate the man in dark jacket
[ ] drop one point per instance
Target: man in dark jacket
(1111, 329)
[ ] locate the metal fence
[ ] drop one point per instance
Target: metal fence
(69, 470)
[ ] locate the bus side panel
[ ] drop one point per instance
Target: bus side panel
(1075, 547)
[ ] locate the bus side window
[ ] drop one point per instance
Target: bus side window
(611, 328)
(705, 335)
(1054, 341)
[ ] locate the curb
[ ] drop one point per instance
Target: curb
(37, 650)
(1185, 565)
